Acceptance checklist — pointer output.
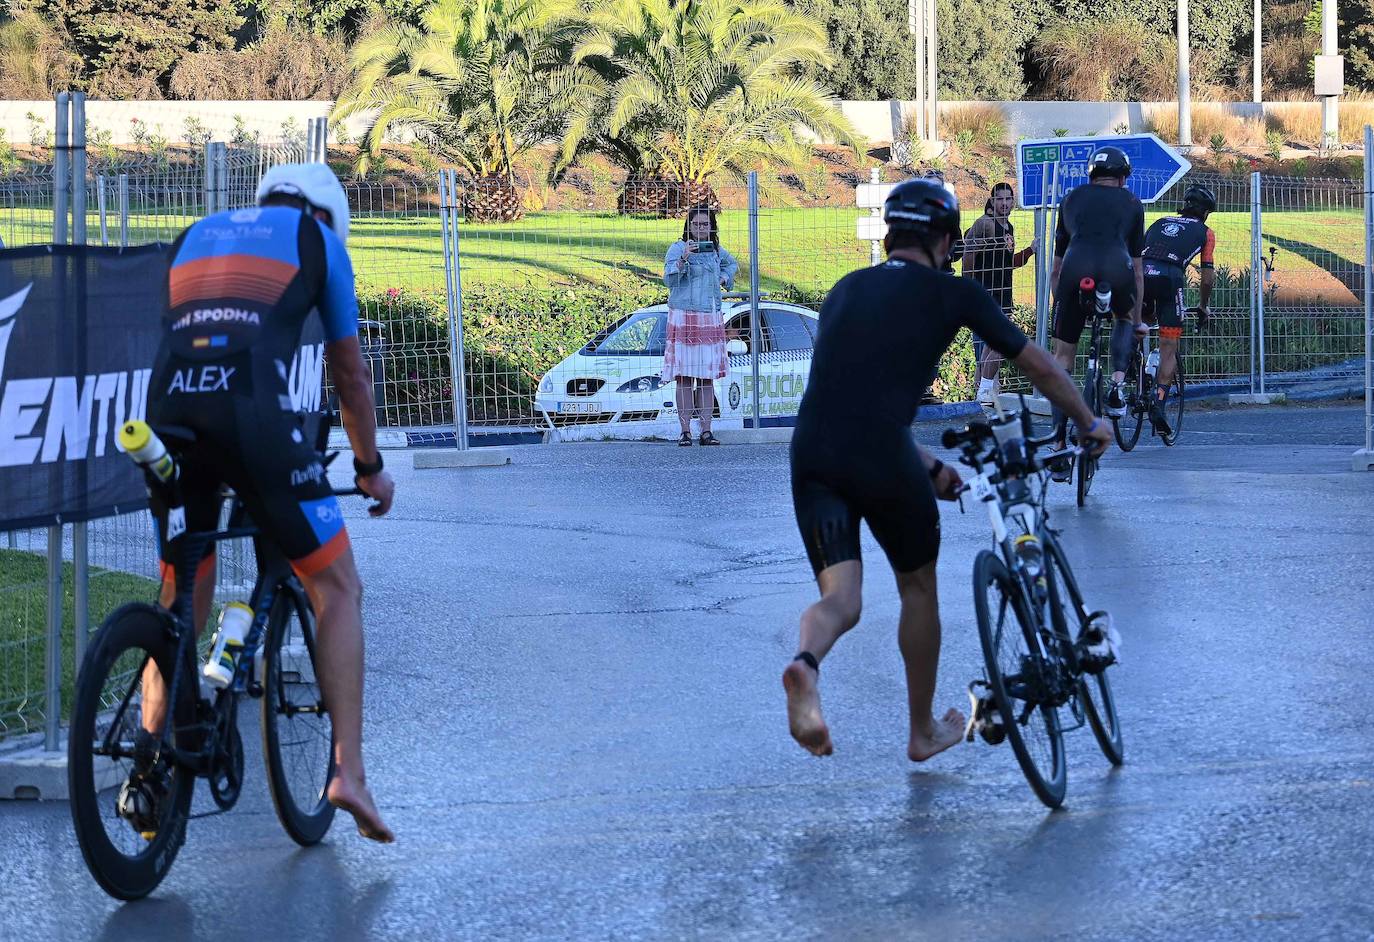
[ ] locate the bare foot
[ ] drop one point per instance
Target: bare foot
(354, 798)
(943, 733)
(804, 710)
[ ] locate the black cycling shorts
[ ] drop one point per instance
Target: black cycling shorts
(1071, 312)
(892, 492)
(1163, 304)
(264, 454)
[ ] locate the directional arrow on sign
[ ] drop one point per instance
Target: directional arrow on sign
(1155, 166)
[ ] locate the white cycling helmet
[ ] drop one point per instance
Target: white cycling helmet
(314, 183)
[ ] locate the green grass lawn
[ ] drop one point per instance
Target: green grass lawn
(807, 247)
(23, 628)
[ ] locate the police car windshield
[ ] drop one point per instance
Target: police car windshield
(643, 333)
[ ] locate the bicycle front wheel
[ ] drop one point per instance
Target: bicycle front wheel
(1127, 428)
(1071, 621)
(129, 799)
(297, 735)
(1013, 660)
(1173, 401)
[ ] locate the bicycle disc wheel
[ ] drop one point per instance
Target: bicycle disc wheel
(1010, 655)
(1173, 402)
(297, 736)
(1127, 428)
(128, 856)
(1071, 620)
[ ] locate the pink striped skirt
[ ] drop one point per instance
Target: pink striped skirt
(696, 345)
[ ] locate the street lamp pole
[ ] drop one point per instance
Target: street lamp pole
(1259, 54)
(1185, 115)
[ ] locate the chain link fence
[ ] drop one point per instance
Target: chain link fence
(560, 295)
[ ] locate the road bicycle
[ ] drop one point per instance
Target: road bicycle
(1142, 391)
(1046, 655)
(1096, 298)
(131, 788)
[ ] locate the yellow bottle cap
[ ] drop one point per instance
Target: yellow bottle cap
(134, 434)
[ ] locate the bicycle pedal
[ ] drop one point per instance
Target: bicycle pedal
(984, 717)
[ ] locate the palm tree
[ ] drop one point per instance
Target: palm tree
(480, 82)
(681, 90)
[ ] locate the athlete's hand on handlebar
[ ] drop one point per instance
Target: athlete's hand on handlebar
(380, 488)
(1101, 433)
(947, 483)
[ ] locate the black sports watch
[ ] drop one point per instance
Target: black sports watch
(367, 470)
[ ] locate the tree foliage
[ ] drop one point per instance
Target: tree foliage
(872, 54)
(700, 87)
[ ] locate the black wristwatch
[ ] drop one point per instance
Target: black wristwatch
(367, 470)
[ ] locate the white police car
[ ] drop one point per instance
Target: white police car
(612, 387)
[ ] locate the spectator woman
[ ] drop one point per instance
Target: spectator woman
(696, 269)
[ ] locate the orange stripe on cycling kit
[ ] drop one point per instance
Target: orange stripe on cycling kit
(320, 560)
(167, 572)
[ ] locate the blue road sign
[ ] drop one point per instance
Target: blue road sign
(1155, 166)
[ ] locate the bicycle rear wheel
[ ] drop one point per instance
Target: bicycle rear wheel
(1127, 428)
(1012, 659)
(107, 766)
(1173, 401)
(297, 735)
(1071, 620)
(1087, 464)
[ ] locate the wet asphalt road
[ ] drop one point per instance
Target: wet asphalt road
(576, 727)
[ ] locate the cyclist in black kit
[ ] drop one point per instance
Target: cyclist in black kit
(1101, 235)
(1171, 244)
(854, 458)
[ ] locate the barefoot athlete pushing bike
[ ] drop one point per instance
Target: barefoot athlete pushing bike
(853, 457)
(241, 285)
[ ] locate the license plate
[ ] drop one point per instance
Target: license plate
(579, 408)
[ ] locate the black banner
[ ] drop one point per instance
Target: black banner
(78, 333)
(79, 330)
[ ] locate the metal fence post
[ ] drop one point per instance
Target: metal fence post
(1256, 282)
(453, 277)
(1042, 279)
(52, 654)
(102, 205)
(875, 248)
(755, 332)
(124, 210)
(1368, 456)
(81, 570)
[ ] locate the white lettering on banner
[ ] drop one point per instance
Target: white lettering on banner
(102, 398)
(69, 418)
(307, 377)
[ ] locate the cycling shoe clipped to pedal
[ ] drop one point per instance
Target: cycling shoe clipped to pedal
(141, 795)
(983, 717)
(1099, 646)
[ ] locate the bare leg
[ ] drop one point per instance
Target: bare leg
(706, 402)
(918, 636)
(992, 362)
(154, 687)
(821, 626)
(336, 594)
(683, 396)
(1168, 353)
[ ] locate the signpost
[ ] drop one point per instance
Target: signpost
(1155, 166)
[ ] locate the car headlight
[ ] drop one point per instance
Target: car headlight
(641, 384)
(546, 384)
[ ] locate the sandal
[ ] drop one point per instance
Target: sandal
(685, 441)
(708, 439)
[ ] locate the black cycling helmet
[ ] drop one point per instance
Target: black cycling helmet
(1109, 162)
(1199, 197)
(924, 207)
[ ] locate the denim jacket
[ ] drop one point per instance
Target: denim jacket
(697, 286)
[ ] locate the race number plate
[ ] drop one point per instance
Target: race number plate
(982, 488)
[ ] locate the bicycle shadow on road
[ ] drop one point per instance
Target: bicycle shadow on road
(172, 915)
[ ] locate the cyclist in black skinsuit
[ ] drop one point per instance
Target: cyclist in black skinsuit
(882, 333)
(1101, 235)
(1170, 245)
